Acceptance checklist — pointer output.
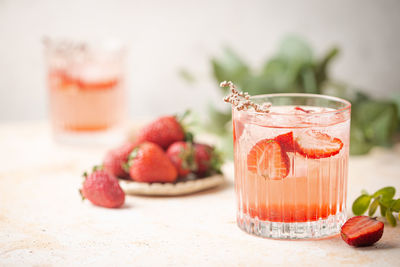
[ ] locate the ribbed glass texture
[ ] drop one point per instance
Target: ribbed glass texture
(310, 201)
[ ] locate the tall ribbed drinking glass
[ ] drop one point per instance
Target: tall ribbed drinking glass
(291, 166)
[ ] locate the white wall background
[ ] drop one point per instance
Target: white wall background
(165, 36)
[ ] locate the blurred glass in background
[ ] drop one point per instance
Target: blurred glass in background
(86, 90)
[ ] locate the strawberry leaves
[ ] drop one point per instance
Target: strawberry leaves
(126, 166)
(383, 198)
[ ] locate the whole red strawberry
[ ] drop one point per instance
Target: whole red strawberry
(207, 160)
(149, 163)
(360, 231)
(164, 131)
(102, 189)
(181, 155)
(116, 158)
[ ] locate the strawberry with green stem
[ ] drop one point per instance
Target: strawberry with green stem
(116, 158)
(149, 163)
(208, 160)
(181, 155)
(102, 189)
(165, 130)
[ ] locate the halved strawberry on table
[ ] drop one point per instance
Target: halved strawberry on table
(315, 145)
(268, 159)
(361, 231)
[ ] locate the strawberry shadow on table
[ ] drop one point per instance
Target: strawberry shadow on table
(126, 206)
(383, 245)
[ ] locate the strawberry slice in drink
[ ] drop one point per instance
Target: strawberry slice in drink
(302, 110)
(97, 85)
(268, 159)
(286, 141)
(316, 145)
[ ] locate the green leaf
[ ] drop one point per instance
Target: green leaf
(133, 154)
(217, 120)
(390, 218)
(309, 81)
(187, 76)
(97, 168)
(322, 67)
(364, 192)
(383, 209)
(226, 144)
(386, 202)
(189, 137)
(295, 49)
(360, 205)
(217, 160)
(359, 144)
(229, 67)
(373, 207)
(396, 100)
(278, 75)
(386, 193)
(395, 206)
(377, 119)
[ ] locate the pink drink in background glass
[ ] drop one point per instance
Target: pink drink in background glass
(86, 88)
(291, 166)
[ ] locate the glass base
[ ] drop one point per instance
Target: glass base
(296, 230)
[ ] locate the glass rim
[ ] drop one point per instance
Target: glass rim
(346, 103)
(67, 44)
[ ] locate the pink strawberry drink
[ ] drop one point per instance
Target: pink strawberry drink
(291, 166)
(86, 87)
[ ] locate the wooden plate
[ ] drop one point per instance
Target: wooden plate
(171, 189)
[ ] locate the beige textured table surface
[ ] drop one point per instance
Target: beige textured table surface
(43, 221)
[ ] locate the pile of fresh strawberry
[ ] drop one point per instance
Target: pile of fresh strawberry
(269, 157)
(162, 152)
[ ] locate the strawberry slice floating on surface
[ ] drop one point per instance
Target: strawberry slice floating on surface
(266, 158)
(361, 231)
(286, 141)
(316, 145)
(302, 110)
